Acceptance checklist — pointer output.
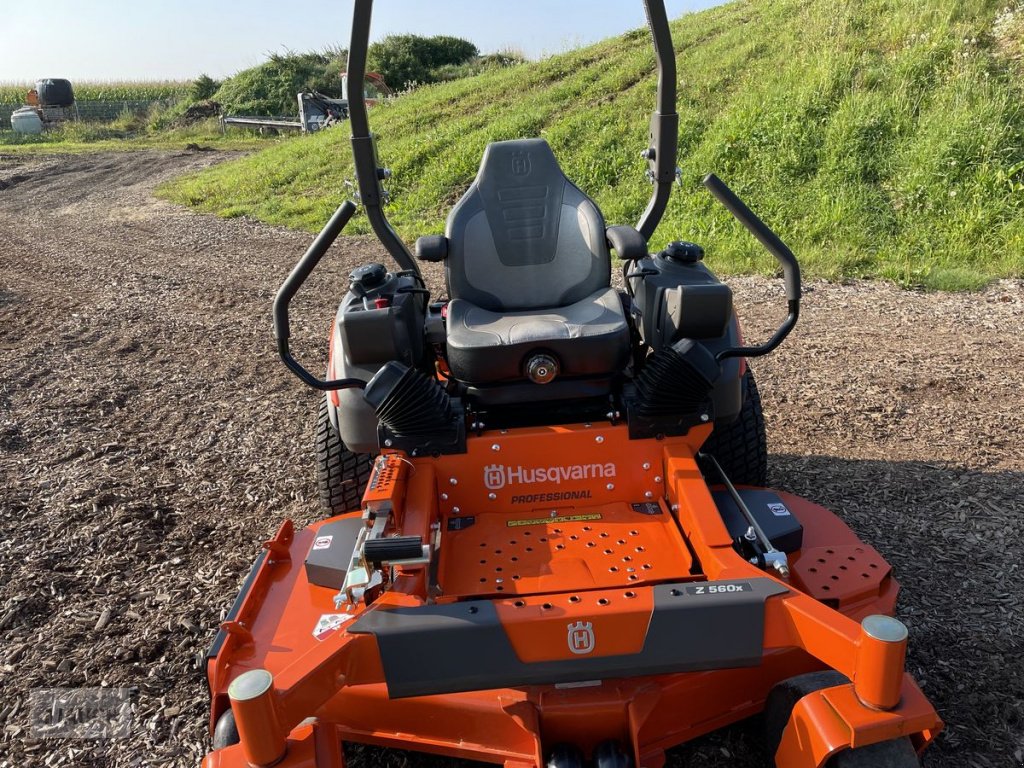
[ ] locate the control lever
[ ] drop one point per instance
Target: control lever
(778, 249)
(288, 289)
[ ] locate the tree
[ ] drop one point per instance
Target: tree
(404, 60)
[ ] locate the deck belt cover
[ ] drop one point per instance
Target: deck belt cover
(456, 647)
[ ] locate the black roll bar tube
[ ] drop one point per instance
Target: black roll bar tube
(662, 153)
(369, 172)
(778, 249)
(288, 289)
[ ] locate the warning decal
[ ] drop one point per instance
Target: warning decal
(559, 519)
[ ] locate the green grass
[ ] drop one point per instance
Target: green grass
(880, 139)
(161, 90)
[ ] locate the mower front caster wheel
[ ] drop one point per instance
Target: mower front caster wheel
(225, 733)
(565, 756)
(610, 755)
(898, 753)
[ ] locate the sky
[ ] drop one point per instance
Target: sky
(179, 39)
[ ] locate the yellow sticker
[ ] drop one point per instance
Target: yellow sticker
(546, 520)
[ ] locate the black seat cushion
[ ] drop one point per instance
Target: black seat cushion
(589, 338)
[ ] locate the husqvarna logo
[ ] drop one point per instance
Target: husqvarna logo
(494, 477)
(581, 637)
(497, 476)
(521, 165)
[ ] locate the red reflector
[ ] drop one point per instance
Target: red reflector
(381, 302)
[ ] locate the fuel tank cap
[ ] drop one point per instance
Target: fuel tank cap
(683, 252)
(369, 276)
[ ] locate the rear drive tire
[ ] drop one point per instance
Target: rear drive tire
(742, 447)
(898, 753)
(341, 474)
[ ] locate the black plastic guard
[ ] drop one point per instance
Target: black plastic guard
(457, 647)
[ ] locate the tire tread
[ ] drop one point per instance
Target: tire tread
(341, 474)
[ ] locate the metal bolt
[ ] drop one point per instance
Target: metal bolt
(499, 581)
(554, 513)
(588, 425)
(455, 510)
(647, 465)
(504, 431)
(444, 497)
(599, 439)
(388, 443)
(453, 481)
(648, 495)
(492, 496)
(705, 417)
(657, 478)
(675, 507)
(495, 447)
(610, 486)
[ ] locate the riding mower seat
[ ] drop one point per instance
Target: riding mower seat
(528, 270)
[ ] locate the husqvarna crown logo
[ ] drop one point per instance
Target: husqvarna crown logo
(494, 477)
(521, 165)
(497, 476)
(581, 637)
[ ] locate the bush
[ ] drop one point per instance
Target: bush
(403, 60)
(203, 88)
(271, 87)
(478, 64)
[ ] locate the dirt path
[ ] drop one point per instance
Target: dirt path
(149, 441)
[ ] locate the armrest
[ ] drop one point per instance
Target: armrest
(627, 243)
(432, 248)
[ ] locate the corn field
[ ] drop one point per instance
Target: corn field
(168, 90)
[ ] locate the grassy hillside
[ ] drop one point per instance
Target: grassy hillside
(880, 138)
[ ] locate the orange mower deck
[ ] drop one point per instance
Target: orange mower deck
(618, 609)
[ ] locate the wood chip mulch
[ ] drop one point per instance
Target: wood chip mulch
(150, 440)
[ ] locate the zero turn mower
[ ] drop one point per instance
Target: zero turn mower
(548, 544)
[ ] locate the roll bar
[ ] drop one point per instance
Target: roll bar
(663, 150)
(661, 154)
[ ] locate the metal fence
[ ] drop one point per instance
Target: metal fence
(93, 111)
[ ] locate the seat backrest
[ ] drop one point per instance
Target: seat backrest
(524, 236)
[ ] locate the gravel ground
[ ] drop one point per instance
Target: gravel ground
(149, 440)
